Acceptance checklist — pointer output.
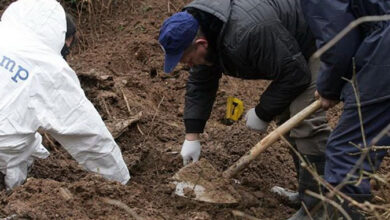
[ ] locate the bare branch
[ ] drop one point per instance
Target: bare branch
(331, 202)
(122, 206)
(237, 213)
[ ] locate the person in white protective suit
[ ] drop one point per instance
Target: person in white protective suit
(38, 89)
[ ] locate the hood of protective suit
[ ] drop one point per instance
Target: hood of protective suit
(43, 18)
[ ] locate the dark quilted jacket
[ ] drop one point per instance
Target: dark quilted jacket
(260, 39)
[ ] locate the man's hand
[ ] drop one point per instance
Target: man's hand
(326, 103)
(254, 122)
(190, 151)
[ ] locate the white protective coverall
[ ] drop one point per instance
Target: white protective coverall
(38, 89)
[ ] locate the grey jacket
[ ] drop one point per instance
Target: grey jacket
(260, 39)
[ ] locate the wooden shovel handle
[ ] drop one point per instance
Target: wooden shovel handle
(270, 139)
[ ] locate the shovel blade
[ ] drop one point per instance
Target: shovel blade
(202, 182)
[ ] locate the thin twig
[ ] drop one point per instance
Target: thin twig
(237, 213)
(375, 176)
(306, 210)
(123, 206)
(53, 146)
(139, 129)
(374, 148)
(354, 84)
(11, 217)
(106, 108)
(127, 103)
(152, 123)
(331, 202)
(108, 6)
(173, 6)
(155, 114)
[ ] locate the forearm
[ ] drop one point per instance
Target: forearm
(282, 92)
(202, 87)
(194, 125)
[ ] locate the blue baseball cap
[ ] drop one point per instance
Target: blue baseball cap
(176, 35)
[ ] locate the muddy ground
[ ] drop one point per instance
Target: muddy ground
(119, 63)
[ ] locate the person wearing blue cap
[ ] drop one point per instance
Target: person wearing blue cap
(249, 39)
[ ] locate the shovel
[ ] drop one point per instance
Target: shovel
(202, 182)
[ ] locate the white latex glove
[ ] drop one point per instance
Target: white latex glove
(190, 151)
(254, 122)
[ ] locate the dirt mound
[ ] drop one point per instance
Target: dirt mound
(43, 199)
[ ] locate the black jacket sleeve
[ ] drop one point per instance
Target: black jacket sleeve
(327, 18)
(202, 86)
(273, 51)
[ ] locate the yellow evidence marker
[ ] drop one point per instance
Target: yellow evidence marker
(234, 109)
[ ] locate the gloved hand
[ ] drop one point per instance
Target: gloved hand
(254, 122)
(190, 151)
